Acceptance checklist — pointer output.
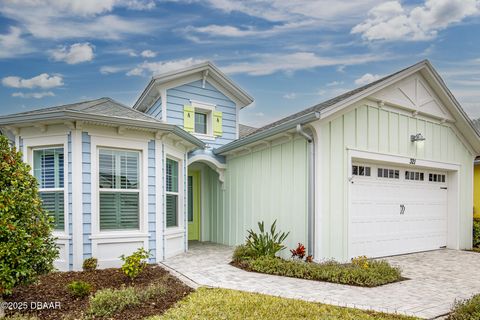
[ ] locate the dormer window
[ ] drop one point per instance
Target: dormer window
(202, 119)
(200, 122)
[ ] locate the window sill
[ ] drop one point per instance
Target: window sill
(118, 235)
(61, 235)
(174, 231)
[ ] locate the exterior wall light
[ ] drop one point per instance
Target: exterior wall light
(417, 137)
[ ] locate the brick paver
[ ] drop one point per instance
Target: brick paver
(436, 280)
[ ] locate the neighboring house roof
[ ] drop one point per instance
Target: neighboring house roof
(244, 130)
(103, 110)
(102, 106)
(343, 100)
(208, 71)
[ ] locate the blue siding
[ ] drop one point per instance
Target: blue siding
(179, 96)
(156, 110)
(152, 245)
(70, 205)
(87, 194)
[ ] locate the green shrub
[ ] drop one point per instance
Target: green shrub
(241, 253)
(476, 232)
(134, 264)
(27, 248)
(466, 310)
(374, 274)
(79, 289)
(266, 244)
(90, 264)
(107, 302)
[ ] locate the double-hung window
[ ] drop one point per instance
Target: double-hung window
(119, 188)
(48, 168)
(200, 122)
(172, 195)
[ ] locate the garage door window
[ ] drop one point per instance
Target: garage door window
(434, 177)
(414, 175)
(388, 173)
(361, 171)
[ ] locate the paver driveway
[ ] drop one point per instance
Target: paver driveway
(437, 278)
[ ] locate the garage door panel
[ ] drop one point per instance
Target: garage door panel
(378, 227)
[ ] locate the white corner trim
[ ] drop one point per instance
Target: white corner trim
(159, 212)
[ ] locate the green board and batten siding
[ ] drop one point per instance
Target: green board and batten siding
(373, 129)
(263, 185)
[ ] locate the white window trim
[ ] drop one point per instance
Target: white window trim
(115, 190)
(100, 142)
(48, 142)
(208, 109)
(171, 153)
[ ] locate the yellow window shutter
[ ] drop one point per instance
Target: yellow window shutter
(217, 123)
(188, 118)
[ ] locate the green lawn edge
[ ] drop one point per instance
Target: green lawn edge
(214, 303)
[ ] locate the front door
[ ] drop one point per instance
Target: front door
(193, 205)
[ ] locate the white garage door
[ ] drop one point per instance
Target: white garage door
(396, 210)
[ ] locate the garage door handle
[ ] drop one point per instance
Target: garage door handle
(402, 209)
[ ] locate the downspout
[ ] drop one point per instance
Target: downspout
(311, 190)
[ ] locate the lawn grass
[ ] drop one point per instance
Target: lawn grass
(206, 303)
(466, 310)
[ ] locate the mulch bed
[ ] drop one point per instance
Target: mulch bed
(52, 288)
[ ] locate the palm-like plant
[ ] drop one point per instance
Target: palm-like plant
(266, 244)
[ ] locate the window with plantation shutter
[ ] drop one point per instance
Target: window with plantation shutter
(119, 189)
(48, 168)
(172, 192)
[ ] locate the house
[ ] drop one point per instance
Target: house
(381, 170)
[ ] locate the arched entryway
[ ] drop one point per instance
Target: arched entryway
(205, 199)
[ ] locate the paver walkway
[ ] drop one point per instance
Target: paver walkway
(437, 278)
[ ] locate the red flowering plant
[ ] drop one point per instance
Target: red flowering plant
(299, 252)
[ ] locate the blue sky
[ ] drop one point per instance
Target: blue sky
(288, 55)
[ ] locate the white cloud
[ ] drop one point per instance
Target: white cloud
(12, 44)
(391, 21)
(235, 32)
(111, 69)
(140, 4)
(148, 54)
(44, 81)
(76, 53)
(154, 68)
(53, 19)
(35, 95)
(334, 83)
(367, 78)
(290, 95)
(286, 15)
(265, 64)
(280, 10)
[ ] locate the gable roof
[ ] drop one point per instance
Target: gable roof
(337, 103)
(208, 70)
(244, 130)
(103, 110)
